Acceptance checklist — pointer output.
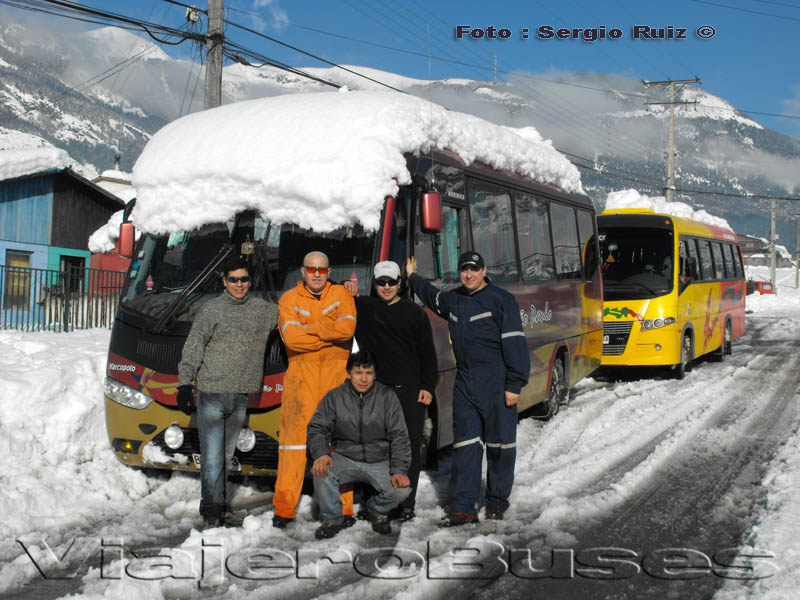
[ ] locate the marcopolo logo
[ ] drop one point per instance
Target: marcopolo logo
(116, 367)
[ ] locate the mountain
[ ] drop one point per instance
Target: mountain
(71, 90)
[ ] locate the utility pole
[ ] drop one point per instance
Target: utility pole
(772, 238)
(669, 190)
(214, 43)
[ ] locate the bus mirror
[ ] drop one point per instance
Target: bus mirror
(127, 236)
(126, 213)
(431, 212)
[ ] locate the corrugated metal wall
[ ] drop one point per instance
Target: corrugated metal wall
(26, 209)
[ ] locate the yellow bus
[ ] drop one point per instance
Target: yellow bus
(673, 290)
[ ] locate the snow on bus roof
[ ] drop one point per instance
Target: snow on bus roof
(321, 160)
(658, 204)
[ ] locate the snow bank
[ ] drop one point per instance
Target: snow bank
(320, 160)
(659, 204)
(105, 238)
(28, 161)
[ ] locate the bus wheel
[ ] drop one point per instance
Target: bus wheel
(559, 390)
(728, 338)
(686, 358)
(725, 347)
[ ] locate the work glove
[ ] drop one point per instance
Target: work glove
(185, 398)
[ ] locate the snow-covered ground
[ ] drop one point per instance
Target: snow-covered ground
(71, 510)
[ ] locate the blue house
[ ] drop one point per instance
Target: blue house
(46, 218)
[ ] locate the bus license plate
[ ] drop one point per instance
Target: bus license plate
(605, 339)
(235, 465)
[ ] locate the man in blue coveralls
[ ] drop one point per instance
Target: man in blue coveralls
(493, 367)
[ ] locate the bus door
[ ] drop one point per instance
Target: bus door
(437, 260)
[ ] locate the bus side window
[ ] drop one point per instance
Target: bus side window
(565, 241)
(706, 262)
(423, 252)
(737, 262)
(493, 229)
(533, 236)
(689, 272)
(719, 268)
(730, 271)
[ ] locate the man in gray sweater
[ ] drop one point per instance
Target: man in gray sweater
(368, 442)
(225, 353)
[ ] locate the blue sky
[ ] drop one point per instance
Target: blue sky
(751, 60)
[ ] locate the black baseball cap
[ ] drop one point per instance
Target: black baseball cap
(470, 259)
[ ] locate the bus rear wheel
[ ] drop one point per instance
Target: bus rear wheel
(726, 347)
(558, 392)
(685, 365)
(728, 338)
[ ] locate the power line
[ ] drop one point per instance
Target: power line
(746, 10)
(777, 3)
(67, 9)
(314, 56)
(547, 108)
(266, 61)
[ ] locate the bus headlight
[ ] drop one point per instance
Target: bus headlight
(656, 323)
(173, 437)
(125, 395)
(247, 440)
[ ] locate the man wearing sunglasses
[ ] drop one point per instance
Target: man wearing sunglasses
(493, 365)
(225, 353)
(317, 321)
(398, 333)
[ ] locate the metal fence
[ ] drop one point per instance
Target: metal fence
(44, 300)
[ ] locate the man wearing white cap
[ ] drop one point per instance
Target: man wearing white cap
(398, 333)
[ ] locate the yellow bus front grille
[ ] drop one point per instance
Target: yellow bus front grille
(615, 337)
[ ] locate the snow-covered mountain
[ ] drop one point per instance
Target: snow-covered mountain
(68, 90)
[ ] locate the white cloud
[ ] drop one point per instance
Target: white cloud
(276, 17)
(791, 106)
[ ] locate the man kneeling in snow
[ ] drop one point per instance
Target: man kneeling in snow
(364, 421)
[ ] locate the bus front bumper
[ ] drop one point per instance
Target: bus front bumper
(137, 438)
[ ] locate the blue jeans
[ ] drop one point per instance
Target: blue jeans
(346, 470)
(219, 418)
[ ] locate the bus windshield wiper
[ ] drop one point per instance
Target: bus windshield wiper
(177, 305)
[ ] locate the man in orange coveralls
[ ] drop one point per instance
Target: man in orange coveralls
(317, 321)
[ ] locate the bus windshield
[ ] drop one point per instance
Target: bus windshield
(175, 268)
(636, 263)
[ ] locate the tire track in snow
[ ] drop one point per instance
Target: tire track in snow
(702, 492)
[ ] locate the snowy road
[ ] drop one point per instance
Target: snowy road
(640, 466)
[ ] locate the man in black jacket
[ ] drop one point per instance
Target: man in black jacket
(398, 333)
(364, 422)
